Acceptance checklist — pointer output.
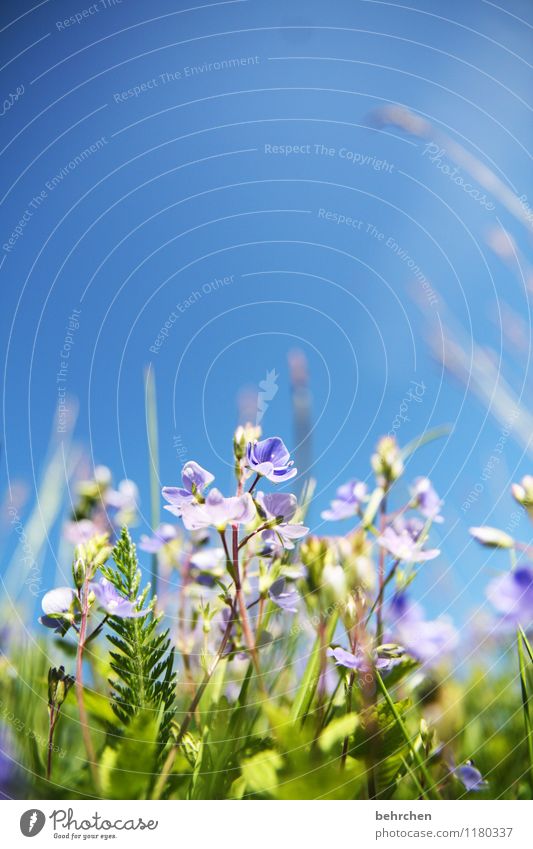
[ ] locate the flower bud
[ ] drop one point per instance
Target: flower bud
(78, 572)
(243, 435)
(58, 686)
(492, 537)
(523, 492)
(387, 462)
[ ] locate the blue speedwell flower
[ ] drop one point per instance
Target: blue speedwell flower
(361, 661)
(195, 479)
(284, 595)
(280, 507)
(470, 777)
(426, 640)
(109, 599)
(347, 502)
(218, 511)
(512, 596)
(270, 459)
(426, 499)
(60, 608)
(402, 546)
(163, 534)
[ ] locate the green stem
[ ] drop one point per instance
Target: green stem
(84, 722)
(153, 450)
(401, 725)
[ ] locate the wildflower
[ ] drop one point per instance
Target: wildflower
(61, 609)
(279, 507)
(123, 499)
(402, 546)
(426, 499)
(348, 501)
(284, 595)
(426, 640)
(512, 595)
(413, 525)
(492, 537)
(470, 777)
(195, 479)
(361, 661)
(109, 599)
(218, 511)
(241, 438)
(285, 535)
(162, 536)
(81, 531)
(206, 565)
(270, 459)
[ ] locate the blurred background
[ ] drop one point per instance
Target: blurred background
(314, 215)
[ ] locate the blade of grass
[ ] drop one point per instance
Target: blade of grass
(525, 704)
(526, 643)
(414, 751)
(309, 683)
(153, 452)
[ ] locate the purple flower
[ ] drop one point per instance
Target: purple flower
(512, 596)
(413, 525)
(470, 777)
(80, 532)
(195, 480)
(206, 565)
(114, 604)
(284, 595)
(284, 535)
(361, 661)
(280, 507)
(218, 511)
(60, 607)
(348, 501)
(425, 640)
(124, 498)
(402, 546)
(277, 505)
(271, 459)
(426, 499)
(162, 535)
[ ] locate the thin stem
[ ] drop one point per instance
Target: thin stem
(381, 574)
(401, 725)
(348, 710)
(245, 622)
(89, 748)
(222, 535)
(254, 483)
(53, 719)
(379, 598)
(266, 526)
(525, 705)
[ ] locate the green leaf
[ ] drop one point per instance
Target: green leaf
(337, 730)
(259, 772)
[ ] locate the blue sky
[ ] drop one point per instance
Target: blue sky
(204, 160)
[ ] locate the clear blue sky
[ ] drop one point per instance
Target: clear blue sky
(168, 135)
